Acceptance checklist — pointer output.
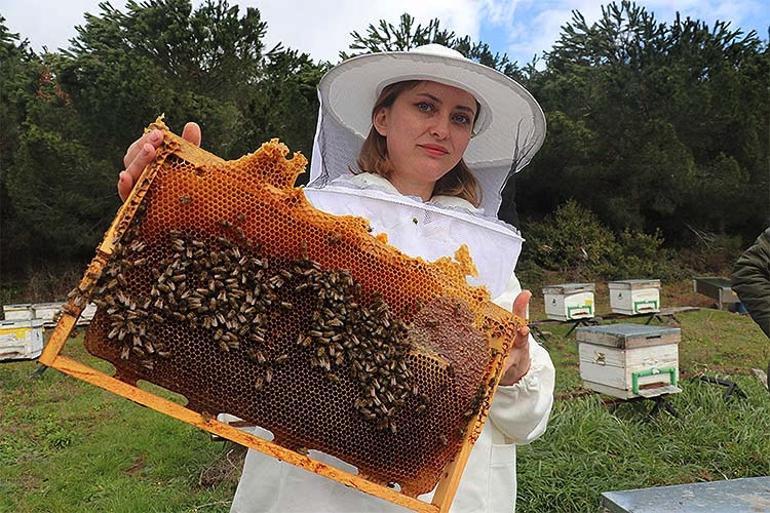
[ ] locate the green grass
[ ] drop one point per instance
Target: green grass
(591, 447)
(66, 446)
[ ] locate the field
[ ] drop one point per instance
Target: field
(66, 446)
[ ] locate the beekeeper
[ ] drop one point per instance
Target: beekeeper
(420, 143)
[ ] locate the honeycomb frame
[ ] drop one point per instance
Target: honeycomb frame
(497, 325)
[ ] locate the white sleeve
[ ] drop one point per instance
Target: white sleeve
(521, 411)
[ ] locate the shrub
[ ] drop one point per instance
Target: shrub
(640, 255)
(573, 242)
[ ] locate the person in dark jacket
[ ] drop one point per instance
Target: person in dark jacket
(751, 280)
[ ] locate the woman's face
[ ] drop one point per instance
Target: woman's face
(427, 130)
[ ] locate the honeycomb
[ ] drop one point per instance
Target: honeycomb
(225, 285)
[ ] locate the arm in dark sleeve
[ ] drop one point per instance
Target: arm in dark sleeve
(751, 280)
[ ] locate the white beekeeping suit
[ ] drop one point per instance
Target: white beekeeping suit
(509, 130)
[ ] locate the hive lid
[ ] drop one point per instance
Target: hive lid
(628, 336)
(569, 288)
(21, 323)
(48, 305)
(20, 306)
(634, 284)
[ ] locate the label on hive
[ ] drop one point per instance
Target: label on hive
(225, 285)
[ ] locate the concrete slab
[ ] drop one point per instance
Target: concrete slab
(747, 495)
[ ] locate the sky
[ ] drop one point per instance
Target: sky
(321, 28)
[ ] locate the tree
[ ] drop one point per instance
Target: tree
(386, 37)
(655, 108)
(120, 72)
(18, 81)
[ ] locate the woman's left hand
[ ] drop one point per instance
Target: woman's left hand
(518, 361)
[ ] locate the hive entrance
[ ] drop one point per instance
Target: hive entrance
(223, 284)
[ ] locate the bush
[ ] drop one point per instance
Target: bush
(573, 242)
(641, 255)
(713, 254)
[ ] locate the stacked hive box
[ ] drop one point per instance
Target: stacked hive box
(21, 339)
(629, 360)
(570, 301)
(634, 297)
(20, 312)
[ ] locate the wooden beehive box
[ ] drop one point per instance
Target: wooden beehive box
(20, 312)
(47, 311)
(629, 360)
(569, 301)
(634, 297)
(717, 288)
(21, 339)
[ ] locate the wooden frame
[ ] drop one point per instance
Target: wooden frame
(52, 357)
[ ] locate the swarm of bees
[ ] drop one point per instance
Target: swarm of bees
(229, 290)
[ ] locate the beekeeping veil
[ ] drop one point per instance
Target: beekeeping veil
(509, 130)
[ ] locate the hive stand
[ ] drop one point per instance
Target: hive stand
(660, 404)
(581, 322)
(72, 309)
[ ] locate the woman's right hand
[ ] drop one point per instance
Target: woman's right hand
(142, 151)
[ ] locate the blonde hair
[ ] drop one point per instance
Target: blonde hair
(373, 157)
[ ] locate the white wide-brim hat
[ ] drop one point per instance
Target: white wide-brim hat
(508, 132)
(510, 124)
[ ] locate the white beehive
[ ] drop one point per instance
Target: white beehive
(20, 312)
(87, 314)
(569, 301)
(634, 297)
(629, 360)
(21, 339)
(46, 311)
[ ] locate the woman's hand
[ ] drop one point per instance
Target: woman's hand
(518, 361)
(141, 153)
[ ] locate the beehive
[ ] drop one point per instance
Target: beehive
(47, 312)
(629, 360)
(21, 339)
(634, 297)
(219, 281)
(21, 312)
(569, 301)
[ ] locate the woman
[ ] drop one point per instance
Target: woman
(394, 133)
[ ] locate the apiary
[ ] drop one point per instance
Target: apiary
(569, 301)
(21, 339)
(629, 360)
(634, 297)
(20, 312)
(221, 282)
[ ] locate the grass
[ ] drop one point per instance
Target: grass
(591, 447)
(66, 446)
